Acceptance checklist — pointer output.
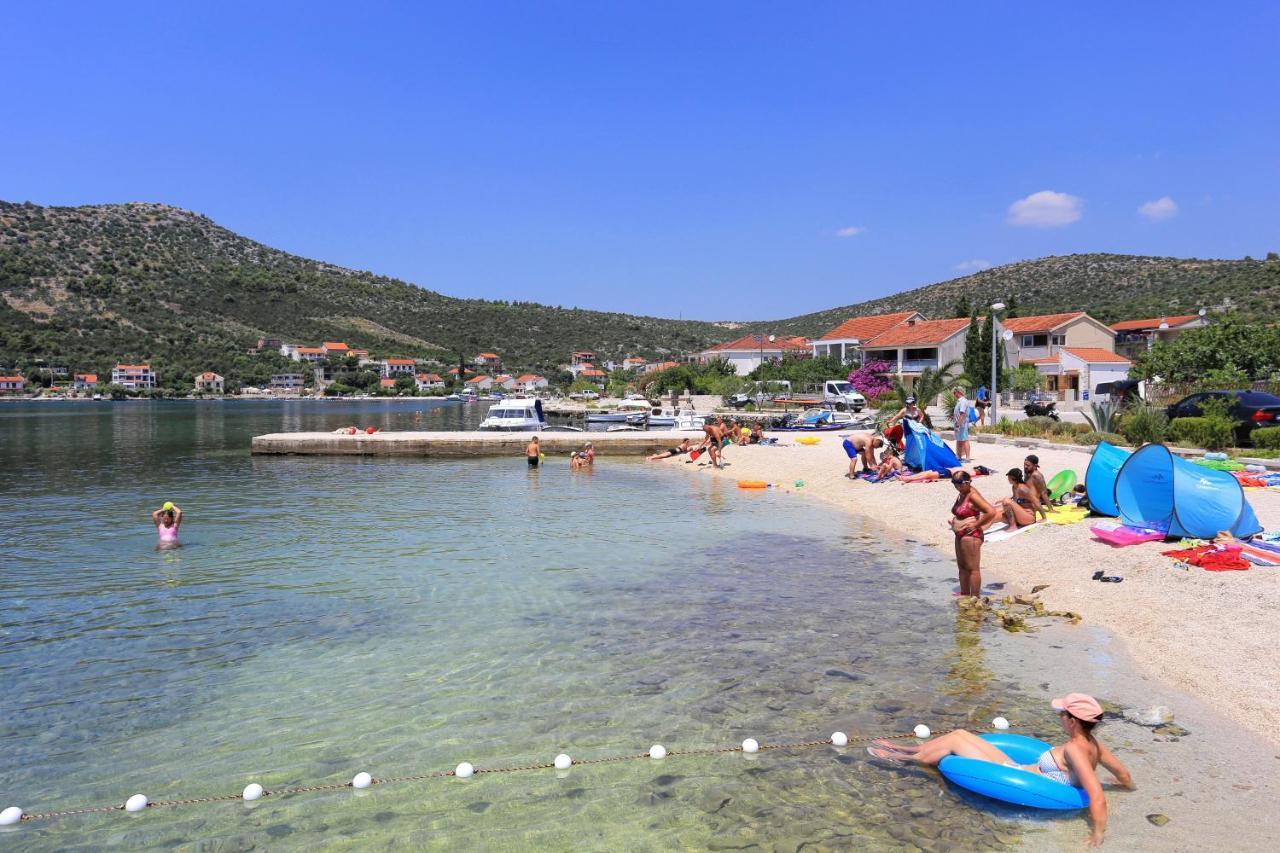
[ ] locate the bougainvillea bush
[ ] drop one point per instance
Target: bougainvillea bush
(871, 380)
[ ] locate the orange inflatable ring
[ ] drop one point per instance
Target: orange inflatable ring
(752, 484)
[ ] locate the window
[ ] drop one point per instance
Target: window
(1031, 341)
(1058, 340)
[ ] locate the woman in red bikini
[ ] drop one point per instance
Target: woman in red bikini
(970, 514)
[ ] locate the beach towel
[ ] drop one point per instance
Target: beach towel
(1219, 464)
(1000, 532)
(1211, 558)
(1067, 514)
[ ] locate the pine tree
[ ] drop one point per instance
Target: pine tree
(1011, 307)
(963, 307)
(975, 362)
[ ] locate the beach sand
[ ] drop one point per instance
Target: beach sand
(1212, 635)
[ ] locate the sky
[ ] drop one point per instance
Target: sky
(702, 160)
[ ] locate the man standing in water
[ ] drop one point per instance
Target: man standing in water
(533, 452)
(167, 519)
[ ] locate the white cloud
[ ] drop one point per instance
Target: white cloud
(1159, 210)
(850, 231)
(1046, 209)
(974, 265)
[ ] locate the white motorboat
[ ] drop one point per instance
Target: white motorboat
(515, 415)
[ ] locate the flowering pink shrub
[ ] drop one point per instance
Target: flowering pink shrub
(871, 380)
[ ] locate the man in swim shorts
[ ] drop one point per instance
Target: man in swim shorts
(714, 432)
(862, 446)
(533, 452)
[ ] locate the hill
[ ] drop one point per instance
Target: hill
(87, 286)
(1109, 287)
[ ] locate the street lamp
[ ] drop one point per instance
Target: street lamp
(995, 391)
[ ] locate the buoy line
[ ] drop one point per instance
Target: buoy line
(254, 791)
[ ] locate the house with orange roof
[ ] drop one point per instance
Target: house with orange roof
(1137, 336)
(393, 367)
(360, 355)
(1042, 335)
(134, 377)
(505, 381)
(10, 385)
(428, 381)
(387, 384)
(654, 367)
(750, 351)
(84, 381)
(489, 361)
(531, 382)
(846, 340)
(210, 383)
(1074, 372)
(479, 383)
(315, 355)
(335, 348)
(915, 344)
(582, 357)
(632, 363)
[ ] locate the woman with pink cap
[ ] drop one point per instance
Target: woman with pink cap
(1073, 763)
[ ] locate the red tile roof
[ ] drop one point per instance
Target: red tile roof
(400, 361)
(87, 377)
(865, 328)
(755, 343)
(921, 332)
(591, 371)
(387, 383)
(13, 379)
(666, 365)
(1152, 323)
(334, 345)
(311, 351)
(529, 377)
(488, 355)
(133, 367)
(478, 379)
(1096, 355)
(209, 376)
(429, 377)
(1039, 323)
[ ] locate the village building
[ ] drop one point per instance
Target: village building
(749, 352)
(1134, 337)
(210, 383)
(10, 385)
(428, 381)
(287, 383)
(479, 383)
(531, 382)
(134, 377)
(315, 355)
(393, 367)
(489, 361)
(84, 381)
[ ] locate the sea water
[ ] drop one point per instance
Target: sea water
(399, 616)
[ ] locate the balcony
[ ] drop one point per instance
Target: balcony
(916, 365)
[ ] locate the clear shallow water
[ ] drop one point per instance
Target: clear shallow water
(399, 616)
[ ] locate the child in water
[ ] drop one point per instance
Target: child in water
(167, 519)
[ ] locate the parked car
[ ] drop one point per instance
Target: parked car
(1249, 408)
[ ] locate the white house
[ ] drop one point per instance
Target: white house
(480, 383)
(12, 384)
(914, 345)
(428, 381)
(531, 382)
(134, 377)
(84, 381)
(287, 383)
(210, 383)
(315, 355)
(393, 367)
(289, 351)
(1137, 336)
(748, 352)
(505, 382)
(632, 363)
(489, 361)
(1073, 372)
(846, 340)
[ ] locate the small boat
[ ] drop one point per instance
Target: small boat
(457, 398)
(523, 415)
(821, 420)
(626, 411)
(624, 428)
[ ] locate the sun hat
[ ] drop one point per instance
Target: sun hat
(1082, 706)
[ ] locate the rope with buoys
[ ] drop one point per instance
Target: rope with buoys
(464, 770)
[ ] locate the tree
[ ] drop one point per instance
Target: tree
(963, 307)
(405, 383)
(1011, 307)
(976, 361)
(1231, 346)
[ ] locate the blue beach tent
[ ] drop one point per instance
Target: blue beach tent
(1157, 489)
(924, 450)
(1100, 479)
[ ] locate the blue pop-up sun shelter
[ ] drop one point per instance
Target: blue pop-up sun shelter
(1157, 489)
(924, 450)
(1100, 479)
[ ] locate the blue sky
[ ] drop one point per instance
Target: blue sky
(705, 160)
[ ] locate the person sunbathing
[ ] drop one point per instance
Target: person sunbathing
(890, 464)
(1072, 763)
(679, 450)
(931, 476)
(1021, 508)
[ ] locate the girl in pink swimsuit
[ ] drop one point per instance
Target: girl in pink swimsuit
(168, 519)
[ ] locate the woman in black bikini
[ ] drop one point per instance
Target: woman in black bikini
(679, 450)
(1021, 507)
(970, 514)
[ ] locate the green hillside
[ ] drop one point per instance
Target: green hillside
(84, 287)
(1109, 287)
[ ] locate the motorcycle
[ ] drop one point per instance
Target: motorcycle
(1036, 409)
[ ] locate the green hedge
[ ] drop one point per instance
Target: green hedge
(1144, 425)
(1091, 438)
(1209, 433)
(1266, 437)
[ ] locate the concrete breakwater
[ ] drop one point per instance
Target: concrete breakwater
(455, 444)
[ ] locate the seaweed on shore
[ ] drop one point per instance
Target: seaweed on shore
(1012, 612)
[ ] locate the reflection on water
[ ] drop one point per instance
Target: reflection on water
(334, 615)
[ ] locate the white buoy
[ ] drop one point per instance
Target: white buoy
(10, 816)
(750, 745)
(136, 803)
(252, 791)
(839, 739)
(1000, 723)
(464, 770)
(922, 731)
(361, 780)
(657, 751)
(563, 761)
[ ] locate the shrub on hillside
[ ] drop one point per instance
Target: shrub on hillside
(1144, 424)
(1209, 433)
(1267, 438)
(1091, 438)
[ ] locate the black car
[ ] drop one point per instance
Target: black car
(1250, 408)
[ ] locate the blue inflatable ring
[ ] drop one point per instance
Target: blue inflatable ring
(1013, 784)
